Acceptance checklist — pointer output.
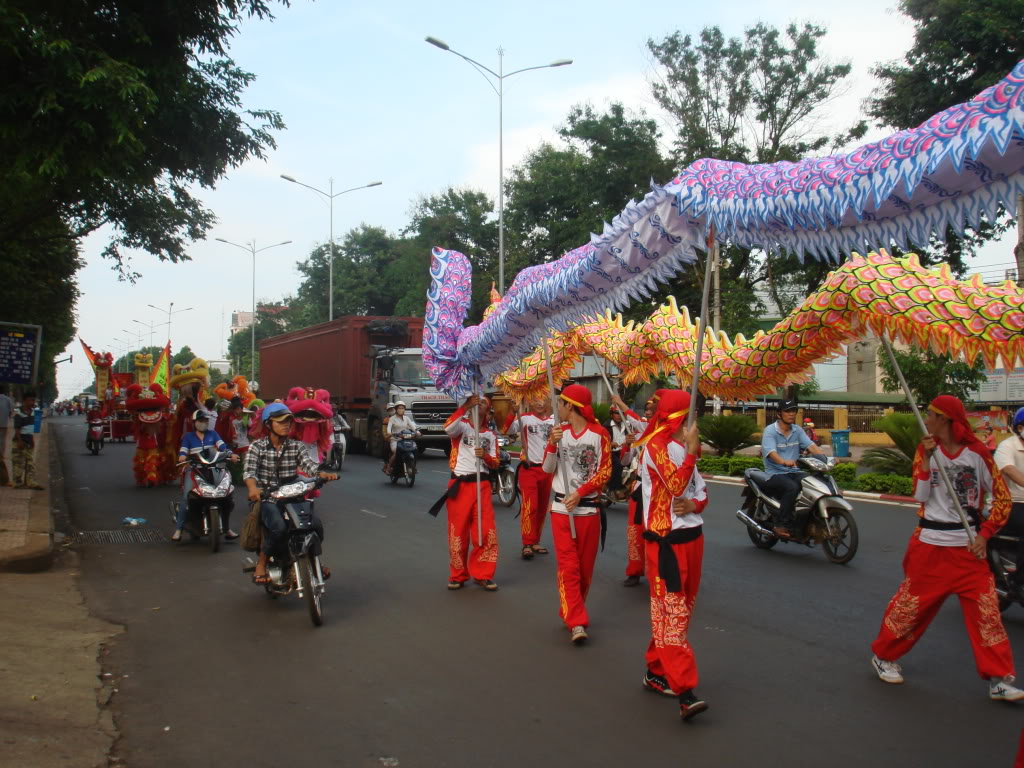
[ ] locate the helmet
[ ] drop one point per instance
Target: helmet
(203, 414)
(254, 386)
(400, 403)
(276, 412)
(1018, 420)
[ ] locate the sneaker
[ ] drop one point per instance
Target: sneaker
(487, 584)
(690, 704)
(658, 684)
(453, 585)
(887, 671)
(578, 634)
(229, 534)
(1001, 690)
(631, 581)
(176, 536)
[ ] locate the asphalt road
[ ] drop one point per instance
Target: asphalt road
(212, 672)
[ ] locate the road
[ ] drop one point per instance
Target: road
(212, 672)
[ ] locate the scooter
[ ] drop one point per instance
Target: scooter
(504, 483)
(404, 464)
(94, 435)
(1002, 560)
(821, 512)
(299, 569)
(336, 459)
(210, 501)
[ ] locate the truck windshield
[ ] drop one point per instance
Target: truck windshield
(409, 371)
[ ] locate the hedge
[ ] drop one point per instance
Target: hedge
(894, 484)
(728, 465)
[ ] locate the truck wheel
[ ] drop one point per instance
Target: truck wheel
(375, 440)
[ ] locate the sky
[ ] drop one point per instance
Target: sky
(365, 99)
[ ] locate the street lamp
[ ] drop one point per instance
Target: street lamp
(251, 247)
(500, 76)
(170, 307)
(330, 259)
(152, 328)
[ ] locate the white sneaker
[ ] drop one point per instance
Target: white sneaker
(887, 671)
(1000, 690)
(176, 536)
(578, 634)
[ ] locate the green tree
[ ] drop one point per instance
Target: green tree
(960, 48)
(929, 375)
(114, 114)
(183, 356)
(756, 99)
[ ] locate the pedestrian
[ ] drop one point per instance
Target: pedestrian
(632, 459)
(23, 461)
(1009, 458)
(940, 561)
(237, 435)
(674, 496)
(578, 454)
(461, 497)
(6, 411)
(534, 428)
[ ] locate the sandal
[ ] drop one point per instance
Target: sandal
(261, 578)
(539, 550)
(527, 553)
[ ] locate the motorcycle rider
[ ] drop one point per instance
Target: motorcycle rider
(1009, 458)
(781, 444)
(389, 412)
(339, 425)
(396, 424)
(270, 461)
(194, 442)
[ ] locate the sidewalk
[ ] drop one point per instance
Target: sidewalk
(26, 519)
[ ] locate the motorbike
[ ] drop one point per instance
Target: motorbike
(94, 436)
(298, 570)
(1002, 560)
(404, 464)
(821, 512)
(336, 458)
(210, 501)
(503, 482)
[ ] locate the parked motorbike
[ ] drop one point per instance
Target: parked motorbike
(210, 501)
(504, 483)
(299, 569)
(336, 458)
(94, 436)
(404, 464)
(822, 514)
(1002, 559)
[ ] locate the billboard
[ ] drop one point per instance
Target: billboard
(19, 353)
(1002, 386)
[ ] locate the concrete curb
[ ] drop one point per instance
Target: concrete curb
(37, 554)
(862, 495)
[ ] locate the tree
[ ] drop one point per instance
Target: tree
(183, 356)
(929, 375)
(756, 99)
(119, 110)
(960, 48)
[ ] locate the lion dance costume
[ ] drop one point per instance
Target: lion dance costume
(149, 426)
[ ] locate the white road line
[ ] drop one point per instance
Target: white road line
(441, 472)
(375, 514)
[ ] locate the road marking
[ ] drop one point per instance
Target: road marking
(439, 471)
(375, 514)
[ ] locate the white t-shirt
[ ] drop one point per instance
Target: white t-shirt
(537, 431)
(1010, 453)
(696, 489)
(587, 460)
(463, 461)
(972, 480)
(397, 423)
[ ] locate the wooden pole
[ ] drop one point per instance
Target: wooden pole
(558, 448)
(702, 325)
(479, 508)
(935, 454)
(604, 375)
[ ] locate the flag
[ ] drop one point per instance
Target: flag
(89, 354)
(162, 369)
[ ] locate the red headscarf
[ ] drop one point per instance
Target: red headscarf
(953, 409)
(671, 406)
(578, 395)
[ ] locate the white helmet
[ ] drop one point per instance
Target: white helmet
(400, 403)
(390, 407)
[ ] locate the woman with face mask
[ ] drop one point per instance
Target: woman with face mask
(194, 442)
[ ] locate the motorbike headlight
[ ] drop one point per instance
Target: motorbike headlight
(290, 490)
(205, 489)
(225, 483)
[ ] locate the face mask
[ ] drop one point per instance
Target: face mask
(200, 426)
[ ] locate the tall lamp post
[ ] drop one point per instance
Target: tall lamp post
(152, 329)
(251, 248)
(500, 76)
(330, 256)
(170, 311)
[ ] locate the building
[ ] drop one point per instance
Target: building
(240, 320)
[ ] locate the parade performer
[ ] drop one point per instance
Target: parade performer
(148, 407)
(312, 420)
(534, 428)
(940, 560)
(461, 496)
(632, 457)
(1009, 457)
(674, 496)
(578, 453)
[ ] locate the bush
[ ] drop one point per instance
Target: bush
(902, 429)
(727, 433)
(879, 483)
(845, 474)
(713, 465)
(739, 464)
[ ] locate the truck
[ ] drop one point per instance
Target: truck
(365, 362)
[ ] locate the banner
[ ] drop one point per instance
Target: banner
(162, 368)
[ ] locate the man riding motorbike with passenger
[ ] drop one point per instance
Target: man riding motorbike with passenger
(270, 462)
(197, 441)
(396, 424)
(781, 444)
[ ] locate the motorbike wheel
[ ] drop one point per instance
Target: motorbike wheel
(95, 449)
(307, 576)
(410, 472)
(842, 546)
(507, 490)
(1003, 590)
(764, 519)
(213, 513)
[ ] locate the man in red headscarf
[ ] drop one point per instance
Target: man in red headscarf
(941, 561)
(674, 496)
(578, 454)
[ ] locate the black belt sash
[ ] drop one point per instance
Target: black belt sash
(453, 490)
(595, 504)
(935, 525)
(668, 566)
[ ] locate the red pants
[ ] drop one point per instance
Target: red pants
(575, 564)
(669, 653)
(634, 543)
(931, 574)
(462, 529)
(535, 501)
